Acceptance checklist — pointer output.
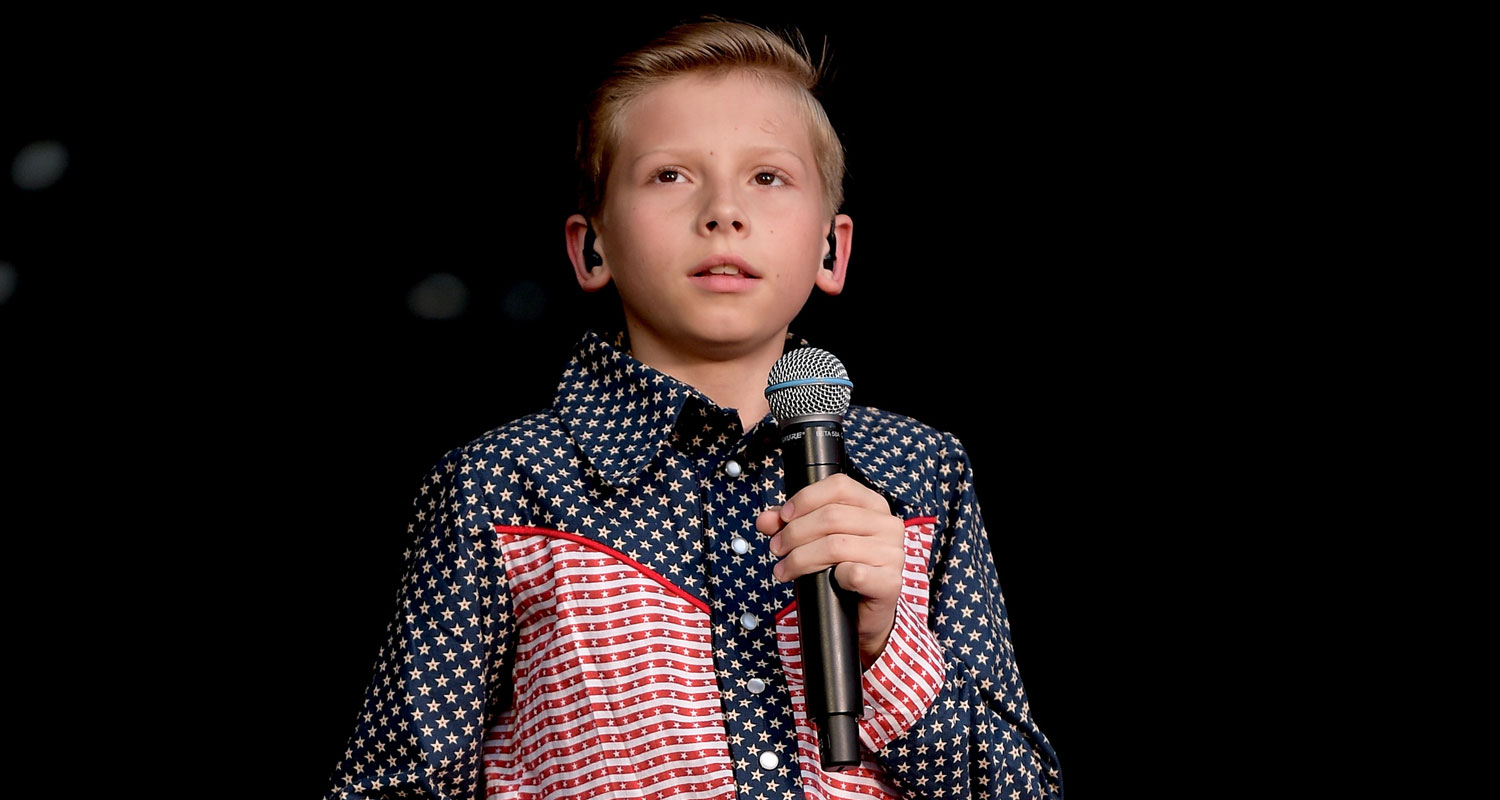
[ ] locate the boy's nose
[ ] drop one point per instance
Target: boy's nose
(722, 206)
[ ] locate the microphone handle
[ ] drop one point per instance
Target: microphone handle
(812, 448)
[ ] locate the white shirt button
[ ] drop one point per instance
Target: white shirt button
(768, 760)
(732, 468)
(755, 685)
(739, 545)
(749, 621)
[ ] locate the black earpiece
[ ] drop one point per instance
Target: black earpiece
(591, 257)
(833, 247)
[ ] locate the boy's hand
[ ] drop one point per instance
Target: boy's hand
(839, 521)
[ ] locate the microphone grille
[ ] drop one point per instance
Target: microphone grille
(807, 381)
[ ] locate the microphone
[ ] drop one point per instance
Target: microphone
(808, 391)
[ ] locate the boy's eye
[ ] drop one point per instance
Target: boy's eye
(667, 176)
(767, 179)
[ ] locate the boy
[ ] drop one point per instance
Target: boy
(598, 602)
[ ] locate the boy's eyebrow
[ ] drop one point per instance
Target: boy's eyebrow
(757, 152)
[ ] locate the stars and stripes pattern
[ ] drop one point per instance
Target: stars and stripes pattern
(588, 611)
(614, 680)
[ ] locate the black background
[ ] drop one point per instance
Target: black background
(211, 305)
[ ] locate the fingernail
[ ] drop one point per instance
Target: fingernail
(776, 545)
(776, 571)
(786, 511)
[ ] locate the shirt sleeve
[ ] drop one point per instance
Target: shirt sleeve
(445, 659)
(977, 737)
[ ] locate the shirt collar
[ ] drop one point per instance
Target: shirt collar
(621, 412)
(618, 410)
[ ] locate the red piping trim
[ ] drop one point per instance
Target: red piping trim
(593, 545)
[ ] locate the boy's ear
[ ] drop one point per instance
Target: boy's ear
(585, 253)
(831, 281)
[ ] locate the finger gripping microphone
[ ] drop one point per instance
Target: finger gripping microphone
(808, 391)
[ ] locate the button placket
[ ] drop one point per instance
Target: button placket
(733, 485)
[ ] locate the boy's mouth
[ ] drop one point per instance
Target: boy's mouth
(724, 264)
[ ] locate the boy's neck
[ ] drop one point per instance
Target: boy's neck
(735, 379)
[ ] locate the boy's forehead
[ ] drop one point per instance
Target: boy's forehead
(688, 107)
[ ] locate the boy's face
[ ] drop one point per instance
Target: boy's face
(713, 227)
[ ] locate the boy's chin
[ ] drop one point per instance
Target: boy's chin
(722, 342)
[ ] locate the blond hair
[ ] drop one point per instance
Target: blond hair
(715, 46)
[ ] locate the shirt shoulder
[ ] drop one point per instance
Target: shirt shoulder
(523, 431)
(493, 477)
(913, 463)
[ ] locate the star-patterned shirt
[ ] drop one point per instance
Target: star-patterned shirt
(588, 610)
